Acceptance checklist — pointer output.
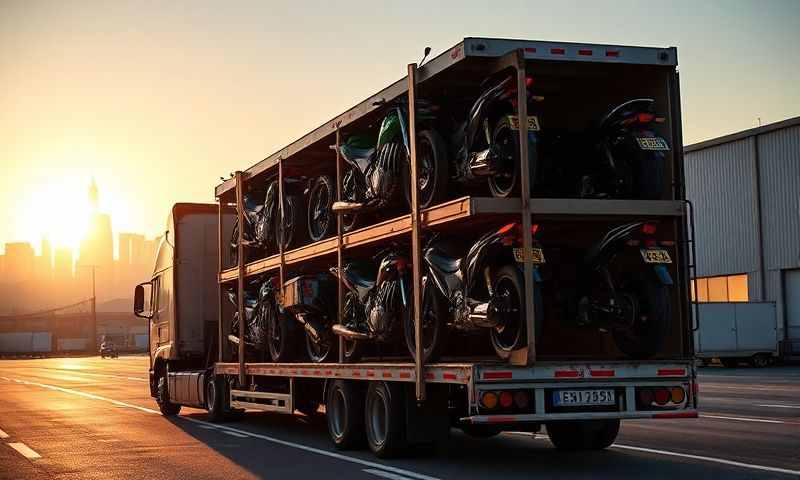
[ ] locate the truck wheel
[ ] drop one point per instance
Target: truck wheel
(583, 434)
(216, 400)
(344, 407)
(385, 420)
(167, 408)
(759, 360)
(481, 431)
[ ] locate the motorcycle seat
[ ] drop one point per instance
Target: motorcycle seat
(359, 276)
(441, 261)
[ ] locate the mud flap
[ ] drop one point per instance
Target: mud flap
(425, 423)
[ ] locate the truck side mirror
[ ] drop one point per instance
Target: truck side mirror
(138, 301)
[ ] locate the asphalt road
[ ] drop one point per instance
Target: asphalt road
(89, 418)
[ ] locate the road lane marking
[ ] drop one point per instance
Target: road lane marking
(708, 459)
(24, 450)
(3, 434)
(780, 406)
(741, 419)
(306, 448)
(234, 434)
(385, 474)
(137, 379)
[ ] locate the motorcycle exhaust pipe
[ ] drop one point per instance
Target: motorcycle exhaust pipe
(481, 164)
(345, 207)
(345, 332)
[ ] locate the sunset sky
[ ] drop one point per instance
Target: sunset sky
(156, 100)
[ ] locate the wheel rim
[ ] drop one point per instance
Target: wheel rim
(378, 418)
(318, 351)
(212, 395)
(508, 331)
(338, 409)
(425, 173)
(320, 214)
(502, 182)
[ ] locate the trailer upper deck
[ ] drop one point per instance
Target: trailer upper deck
(465, 55)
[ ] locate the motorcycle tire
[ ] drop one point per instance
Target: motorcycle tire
(434, 325)
(281, 336)
(646, 337)
(509, 279)
(508, 139)
(288, 231)
(432, 150)
(349, 193)
(321, 219)
(320, 353)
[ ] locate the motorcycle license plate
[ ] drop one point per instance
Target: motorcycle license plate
(533, 123)
(652, 143)
(538, 255)
(655, 255)
(579, 398)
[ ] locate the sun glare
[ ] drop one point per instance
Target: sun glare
(58, 210)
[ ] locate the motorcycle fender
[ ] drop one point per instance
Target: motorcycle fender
(662, 273)
(335, 272)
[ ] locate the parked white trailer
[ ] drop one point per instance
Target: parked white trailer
(737, 332)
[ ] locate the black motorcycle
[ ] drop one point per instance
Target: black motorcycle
(483, 290)
(311, 301)
(259, 309)
(377, 303)
(624, 287)
(486, 145)
(320, 194)
(377, 170)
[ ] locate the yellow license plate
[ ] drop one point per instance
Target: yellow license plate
(533, 123)
(538, 255)
(655, 255)
(652, 143)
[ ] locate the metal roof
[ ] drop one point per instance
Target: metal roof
(750, 132)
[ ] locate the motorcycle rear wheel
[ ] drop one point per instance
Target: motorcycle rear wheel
(651, 324)
(512, 333)
(506, 183)
(288, 230)
(432, 170)
(321, 220)
(434, 325)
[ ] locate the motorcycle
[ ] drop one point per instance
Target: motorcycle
(376, 302)
(311, 301)
(631, 303)
(483, 290)
(487, 142)
(259, 302)
(263, 226)
(377, 169)
(107, 349)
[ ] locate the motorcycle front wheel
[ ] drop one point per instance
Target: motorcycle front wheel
(321, 220)
(281, 339)
(431, 170)
(434, 325)
(511, 333)
(648, 301)
(288, 230)
(350, 193)
(323, 350)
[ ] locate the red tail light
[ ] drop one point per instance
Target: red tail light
(662, 396)
(534, 229)
(649, 228)
(645, 117)
(506, 228)
(506, 399)
(528, 81)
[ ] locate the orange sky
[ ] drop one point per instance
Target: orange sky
(157, 100)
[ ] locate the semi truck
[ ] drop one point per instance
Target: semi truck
(578, 379)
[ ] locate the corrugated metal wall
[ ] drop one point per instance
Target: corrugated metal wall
(719, 181)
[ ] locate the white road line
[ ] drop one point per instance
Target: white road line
(741, 419)
(136, 379)
(385, 474)
(708, 459)
(319, 451)
(3, 434)
(234, 434)
(780, 406)
(24, 450)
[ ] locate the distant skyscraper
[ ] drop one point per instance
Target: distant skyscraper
(62, 266)
(97, 250)
(44, 263)
(19, 262)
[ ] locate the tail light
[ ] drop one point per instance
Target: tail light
(645, 117)
(506, 399)
(528, 81)
(506, 228)
(661, 396)
(521, 399)
(677, 394)
(649, 228)
(646, 396)
(489, 400)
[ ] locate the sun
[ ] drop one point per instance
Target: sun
(59, 210)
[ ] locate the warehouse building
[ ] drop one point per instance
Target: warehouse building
(745, 189)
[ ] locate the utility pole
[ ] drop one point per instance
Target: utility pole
(93, 329)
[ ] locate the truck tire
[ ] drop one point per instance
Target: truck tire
(344, 411)
(384, 418)
(583, 434)
(760, 360)
(217, 400)
(166, 407)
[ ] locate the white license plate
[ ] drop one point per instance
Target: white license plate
(655, 255)
(537, 257)
(652, 143)
(533, 123)
(578, 398)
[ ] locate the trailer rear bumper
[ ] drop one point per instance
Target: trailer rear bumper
(535, 418)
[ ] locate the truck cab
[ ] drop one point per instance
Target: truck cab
(181, 299)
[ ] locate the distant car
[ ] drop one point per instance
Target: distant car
(107, 349)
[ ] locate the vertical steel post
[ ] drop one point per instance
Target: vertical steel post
(415, 241)
(281, 200)
(525, 194)
(220, 265)
(339, 286)
(94, 312)
(240, 276)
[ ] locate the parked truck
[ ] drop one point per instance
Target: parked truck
(579, 344)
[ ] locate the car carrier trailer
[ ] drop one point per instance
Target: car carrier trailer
(392, 402)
